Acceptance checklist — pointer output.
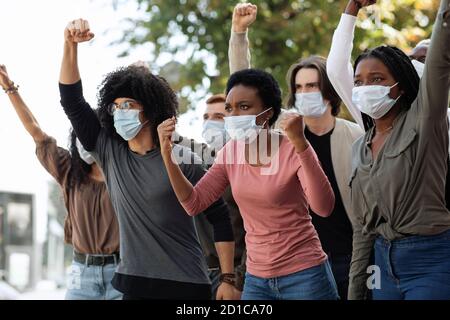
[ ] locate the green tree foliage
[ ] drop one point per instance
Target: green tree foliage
(283, 32)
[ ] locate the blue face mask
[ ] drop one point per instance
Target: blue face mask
(127, 123)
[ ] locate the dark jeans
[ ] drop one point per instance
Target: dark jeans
(447, 185)
(413, 268)
(340, 265)
(173, 291)
(201, 294)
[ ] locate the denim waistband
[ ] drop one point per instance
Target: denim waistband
(411, 240)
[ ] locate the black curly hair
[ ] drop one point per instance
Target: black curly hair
(151, 91)
(401, 68)
(79, 170)
(268, 88)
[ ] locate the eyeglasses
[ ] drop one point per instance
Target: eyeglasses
(125, 106)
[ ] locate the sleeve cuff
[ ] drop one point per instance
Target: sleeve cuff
(71, 91)
(189, 205)
(44, 142)
(42, 146)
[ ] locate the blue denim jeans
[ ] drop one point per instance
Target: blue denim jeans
(91, 283)
(316, 283)
(413, 268)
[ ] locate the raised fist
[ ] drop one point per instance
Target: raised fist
(78, 31)
(244, 15)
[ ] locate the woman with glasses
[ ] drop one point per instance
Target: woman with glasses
(161, 257)
(90, 225)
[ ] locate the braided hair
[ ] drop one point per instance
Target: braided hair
(401, 69)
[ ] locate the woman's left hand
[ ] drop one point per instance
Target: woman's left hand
(293, 127)
(165, 131)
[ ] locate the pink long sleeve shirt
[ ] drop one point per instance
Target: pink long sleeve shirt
(280, 238)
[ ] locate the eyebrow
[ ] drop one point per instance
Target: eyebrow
(239, 102)
(130, 100)
(370, 73)
(214, 114)
(308, 83)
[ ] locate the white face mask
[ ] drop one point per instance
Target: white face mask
(214, 133)
(84, 155)
(419, 66)
(244, 127)
(373, 100)
(310, 104)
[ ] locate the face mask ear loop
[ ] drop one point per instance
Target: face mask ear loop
(393, 85)
(390, 92)
(264, 124)
(396, 100)
(145, 122)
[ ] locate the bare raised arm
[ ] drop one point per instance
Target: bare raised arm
(27, 118)
(77, 31)
(83, 118)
